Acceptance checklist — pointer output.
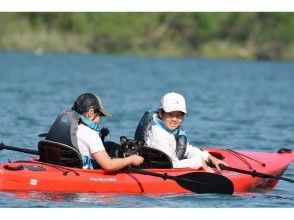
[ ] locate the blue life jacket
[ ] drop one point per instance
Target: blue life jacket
(151, 118)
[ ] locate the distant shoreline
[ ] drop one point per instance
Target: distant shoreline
(253, 36)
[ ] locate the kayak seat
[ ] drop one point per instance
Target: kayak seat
(153, 158)
(59, 154)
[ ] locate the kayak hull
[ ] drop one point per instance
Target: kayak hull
(81, 180)
(33, 175)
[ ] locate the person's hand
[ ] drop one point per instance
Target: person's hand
(137, 160)
(216, 162)
(206, 168)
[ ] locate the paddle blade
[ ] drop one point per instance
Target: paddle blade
(206, 183)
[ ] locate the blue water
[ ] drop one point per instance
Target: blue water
(231, 103)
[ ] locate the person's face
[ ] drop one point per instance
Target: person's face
(173, 120)
(94, 115)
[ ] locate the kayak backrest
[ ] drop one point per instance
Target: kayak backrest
(154, 159)
(59, 154)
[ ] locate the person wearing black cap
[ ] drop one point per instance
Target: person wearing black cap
(78, 128)
(90, 108)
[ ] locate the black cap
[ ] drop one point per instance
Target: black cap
(89, 101)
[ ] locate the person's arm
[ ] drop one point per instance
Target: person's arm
(192, 162)
(97, 150)
(192, 151)
(216, 162)
(111, 164)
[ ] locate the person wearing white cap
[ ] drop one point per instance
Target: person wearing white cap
(162, 130)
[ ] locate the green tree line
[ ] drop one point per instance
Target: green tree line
(218, 35)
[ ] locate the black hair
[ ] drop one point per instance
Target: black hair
(160, 113)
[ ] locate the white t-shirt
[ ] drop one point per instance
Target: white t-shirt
(160, 139)
(89, 141)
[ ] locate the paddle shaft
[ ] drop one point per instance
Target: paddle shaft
(254, 173)
(23, 150)
(163, 176)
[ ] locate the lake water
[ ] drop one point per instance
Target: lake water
(234, 104)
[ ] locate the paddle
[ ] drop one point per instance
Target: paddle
(197, 182)
(254, 173)
(23, 150)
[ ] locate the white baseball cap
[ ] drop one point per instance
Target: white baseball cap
(173, 102)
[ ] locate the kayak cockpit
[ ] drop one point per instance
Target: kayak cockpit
(64, 155)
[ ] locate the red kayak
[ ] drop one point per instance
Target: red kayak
(246, 171)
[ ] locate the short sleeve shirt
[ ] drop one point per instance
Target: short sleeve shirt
(89, 141)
